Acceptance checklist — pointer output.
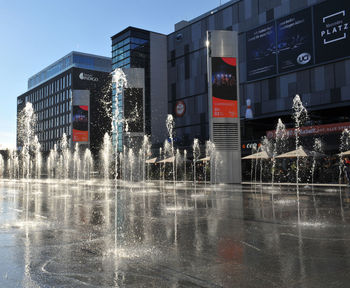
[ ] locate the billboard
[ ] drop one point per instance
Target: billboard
(133, 109)
(261, 52)
(294, 41)
(80, 123)
(332, 28)
(224, 87)
(80, 116)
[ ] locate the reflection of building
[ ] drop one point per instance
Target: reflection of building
(77, 82)
(136, 48)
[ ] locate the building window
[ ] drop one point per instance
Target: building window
(187, 61)
(172, 58)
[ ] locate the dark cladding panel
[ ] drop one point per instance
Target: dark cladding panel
(133, 109)
(261, 52)
(332, 27)
(294, 41)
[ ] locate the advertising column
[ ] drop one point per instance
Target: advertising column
(224, 120)
(81, 117)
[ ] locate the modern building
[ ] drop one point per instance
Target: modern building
(137, 48)
(70, 96)
(285, 48)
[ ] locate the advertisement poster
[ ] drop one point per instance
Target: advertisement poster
(332, 28)
(294, 41)
(80, 123)
(224, 87)
(261, 52)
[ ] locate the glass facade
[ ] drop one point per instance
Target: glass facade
(73, 59)
(52, 105)
(130, 49)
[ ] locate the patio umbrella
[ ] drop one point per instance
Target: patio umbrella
(205, 159)
(300, 152)
(259, 155)
(167, 160)
(346, 153)
(151, 160)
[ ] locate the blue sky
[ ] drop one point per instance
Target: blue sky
(35, 33)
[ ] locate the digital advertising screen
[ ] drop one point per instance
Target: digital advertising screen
(332, 29)
(80, 123)
(224, 87)
(294, 41)
(133, 109)
(261, 52)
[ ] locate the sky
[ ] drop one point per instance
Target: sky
(36, 33)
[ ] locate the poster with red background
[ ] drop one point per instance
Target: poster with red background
(80, 123)
(224, 87)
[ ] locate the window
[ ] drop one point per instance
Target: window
(172, 58)
(187, 61)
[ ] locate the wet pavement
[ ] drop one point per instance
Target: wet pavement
(64, 234)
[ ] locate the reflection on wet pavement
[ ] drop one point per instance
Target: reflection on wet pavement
(93, 234)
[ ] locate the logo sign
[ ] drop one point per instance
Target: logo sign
(304, 58)
(250, 146)
(332, 28)
(180, 108)
(87, 77)
(335, 27)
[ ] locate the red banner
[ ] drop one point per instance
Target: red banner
(80, 136)
(314, 130)
(225, 108)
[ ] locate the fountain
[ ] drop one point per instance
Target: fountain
(196, 154)
(88, 164)
(300, 115)
(27, 123)
(177, 162)
(170, 126)
(210, 155)
(76, 162)
(65, 157)
(317, 148)
(185, 162)
(106, 153)
(145, 152)
(279, 146)
(2, 166)
(131, 161)
(120, 82)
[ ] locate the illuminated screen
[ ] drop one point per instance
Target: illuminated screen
(224, 87)
(80, 123)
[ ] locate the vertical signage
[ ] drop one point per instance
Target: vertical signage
(332, 28)
(294, 41)
(261, 52)
(80, 116)
(80, 123)
(224, 87)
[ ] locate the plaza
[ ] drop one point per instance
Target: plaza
(65, 235)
